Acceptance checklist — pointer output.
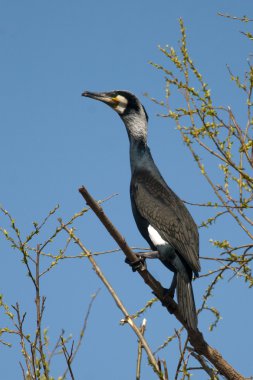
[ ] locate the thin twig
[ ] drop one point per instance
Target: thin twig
(57, 345)
(22, 340)
(68, 357)
(81, 336)
(23, 371)
(40, 305)
(204, 365)
(243, 19)
(182, 354)
(166, 373)
(139, 355)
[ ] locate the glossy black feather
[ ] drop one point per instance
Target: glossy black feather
(159, 206)
(155, 204)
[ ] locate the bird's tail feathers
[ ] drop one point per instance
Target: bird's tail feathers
(186, 301)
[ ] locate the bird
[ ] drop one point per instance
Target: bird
(160, 215)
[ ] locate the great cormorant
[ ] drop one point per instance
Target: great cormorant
(161, 217)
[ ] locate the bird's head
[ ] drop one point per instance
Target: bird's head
(129, 108)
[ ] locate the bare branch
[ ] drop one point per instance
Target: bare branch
(204, 365)
(19, 326)
(119, 303)
(68, 357)
(40, 305)
(195, 337)
(81, 336)
(139, 356)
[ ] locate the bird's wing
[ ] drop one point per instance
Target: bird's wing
(162, 208)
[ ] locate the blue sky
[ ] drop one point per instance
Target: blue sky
(53, 141)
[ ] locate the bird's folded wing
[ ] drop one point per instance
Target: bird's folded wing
(162, 208)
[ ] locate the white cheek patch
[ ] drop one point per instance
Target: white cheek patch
(122, 105)
(155, 236)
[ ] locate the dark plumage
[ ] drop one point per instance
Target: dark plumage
(161, 217)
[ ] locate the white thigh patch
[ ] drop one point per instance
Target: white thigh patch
(155, 236)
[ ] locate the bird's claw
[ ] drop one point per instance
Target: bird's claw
(136, 264)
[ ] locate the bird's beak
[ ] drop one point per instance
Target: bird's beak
(103, 97)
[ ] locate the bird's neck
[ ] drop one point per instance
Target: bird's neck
(140, 156)
(136, 126)
(142, 160)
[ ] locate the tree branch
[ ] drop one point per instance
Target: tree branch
(139, 355)
(117, 300)
(81, 335)
(195, 337)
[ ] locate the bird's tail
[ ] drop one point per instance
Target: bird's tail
(186, 301)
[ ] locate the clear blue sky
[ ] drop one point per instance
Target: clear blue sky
(53, 141)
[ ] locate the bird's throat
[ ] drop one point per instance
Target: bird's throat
(139, 154)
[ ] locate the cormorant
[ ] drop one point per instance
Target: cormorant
(161, 217)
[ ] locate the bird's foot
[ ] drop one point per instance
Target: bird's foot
(148, 254)
(137, 264)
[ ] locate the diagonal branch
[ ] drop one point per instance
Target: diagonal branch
(195, 337)
(117, 300)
